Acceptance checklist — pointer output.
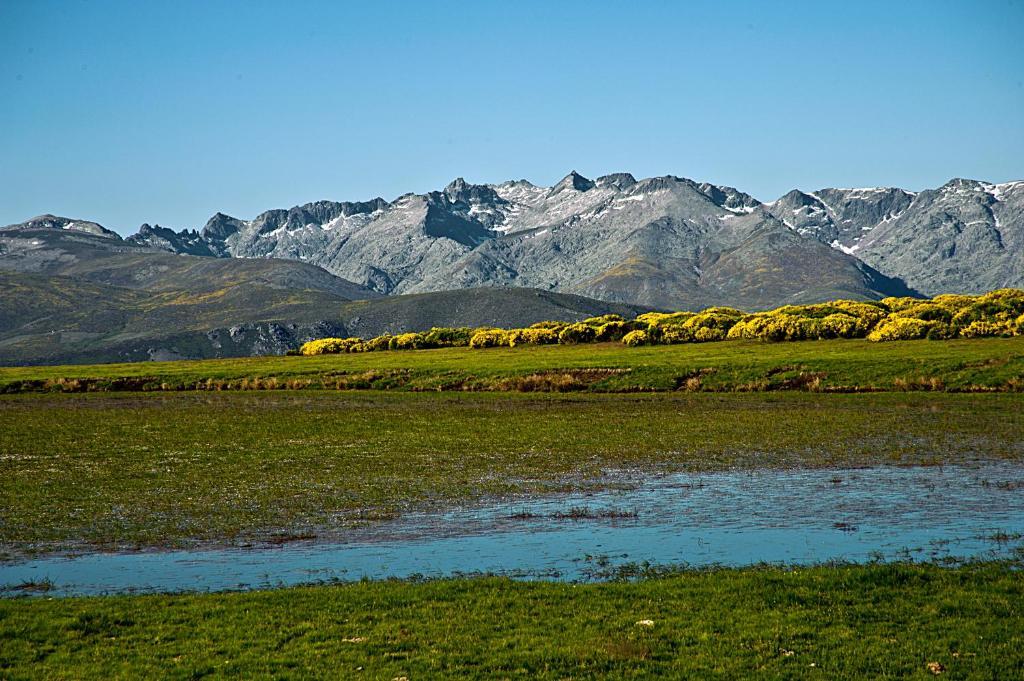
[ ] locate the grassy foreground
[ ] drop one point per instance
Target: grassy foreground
(163, 469)
(873, 621)
(983, 364)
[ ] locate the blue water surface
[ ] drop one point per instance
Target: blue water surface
(730, 518)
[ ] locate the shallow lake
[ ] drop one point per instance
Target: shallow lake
(729, 518)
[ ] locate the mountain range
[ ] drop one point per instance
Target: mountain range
(661, 242)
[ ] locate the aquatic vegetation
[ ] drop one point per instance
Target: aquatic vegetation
(160, 469)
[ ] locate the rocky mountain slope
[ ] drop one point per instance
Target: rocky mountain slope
(663, 241)
(966, 236)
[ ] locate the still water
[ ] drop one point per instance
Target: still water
(729, 518)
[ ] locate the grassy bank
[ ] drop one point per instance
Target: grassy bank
(875, 621)
(838, 365)
(177, 468)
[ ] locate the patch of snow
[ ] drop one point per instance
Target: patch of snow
(828, 208)
(864, 191)
(848, 250)
(999, 190)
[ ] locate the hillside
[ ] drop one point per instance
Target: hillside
(69, 296)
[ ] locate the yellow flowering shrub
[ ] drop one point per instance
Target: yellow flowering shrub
(664, 318)
(983, 329)
(721, 319)
(489, 338)
(532, 336)
(708, 333)
(954, 301)
(996, 313)
(577, 333)
(894, 304)
(614, 331)
(381, 342)
(635, 338)
(329, 346)
(669, 335)
(597, 322)
(406, 341)
(900, 328)
(839, 326)
(558, 326)
(926, 311)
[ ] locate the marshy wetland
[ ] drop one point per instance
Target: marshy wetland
(507, 533)
(630, 527)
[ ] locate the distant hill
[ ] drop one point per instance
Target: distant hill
(68, 296)
(106, 259)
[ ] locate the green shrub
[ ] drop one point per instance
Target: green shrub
(941, 331)
(444, 337)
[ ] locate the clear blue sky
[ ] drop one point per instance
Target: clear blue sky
(131, 112)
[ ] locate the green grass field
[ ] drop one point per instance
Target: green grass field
(162, 469)
(838, 365)
(864, 622)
